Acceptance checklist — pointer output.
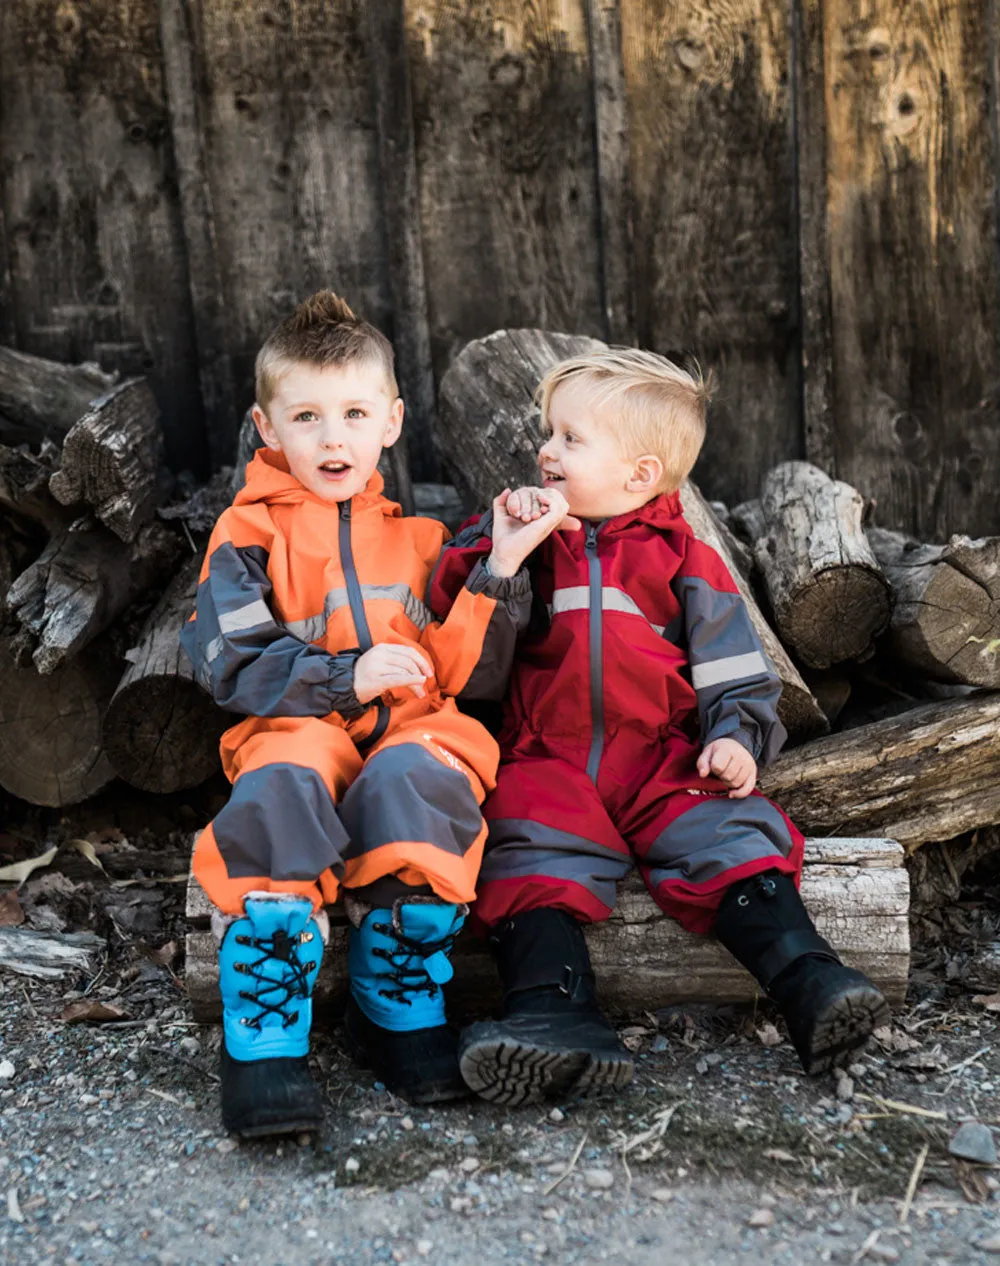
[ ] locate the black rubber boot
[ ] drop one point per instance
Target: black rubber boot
(269, 1096)
(552, 1039)
(831, 1010)
(420, 1065)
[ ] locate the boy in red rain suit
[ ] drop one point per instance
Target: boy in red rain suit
(353, 766)
(640, 705)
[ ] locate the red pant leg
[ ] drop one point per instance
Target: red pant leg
(691, 843)
(550, 843)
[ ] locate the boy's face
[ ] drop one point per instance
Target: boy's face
(583, 458)
(332, 424)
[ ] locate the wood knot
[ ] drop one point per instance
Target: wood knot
(690, 53)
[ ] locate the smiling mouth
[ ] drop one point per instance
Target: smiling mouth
(335, 468)
(549, 478)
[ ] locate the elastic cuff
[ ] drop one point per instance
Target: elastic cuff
(516, 588)
(342, 696)
(746, 739)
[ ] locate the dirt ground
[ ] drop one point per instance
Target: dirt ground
(111, 1148)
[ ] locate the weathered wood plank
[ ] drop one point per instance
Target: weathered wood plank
(292, 160)
(710, 137)
(506, 167)
(398, 166)
(911, 224)
(613, 191)
(644, 960)
(98, 267)
(180, 72)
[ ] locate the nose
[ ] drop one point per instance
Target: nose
(332, 435)
(545, 453)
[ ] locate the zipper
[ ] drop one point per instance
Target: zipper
(596, 617)
(357, 605)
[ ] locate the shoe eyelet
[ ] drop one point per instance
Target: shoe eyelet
(743, 900)
(242, 940)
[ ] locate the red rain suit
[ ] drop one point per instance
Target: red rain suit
(639, 652)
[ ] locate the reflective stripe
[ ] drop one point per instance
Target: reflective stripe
(312, 628)
(357, 604)
(249, 617)
(213, 650)
(733, 668)
(577, 598)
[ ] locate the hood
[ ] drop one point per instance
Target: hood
(269, 481)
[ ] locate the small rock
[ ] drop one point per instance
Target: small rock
(701, 1067)
(550, 1214)
(6, 1070)
(659, 1044)
(351, 1165)
(304, 1140)
(460, 1204)
(761, 1218)
(599, 1179)
(857, 1071)
(883, 1253)
(439, 1174)
(845, 1087)
(557, 1115)
(662, 1194)
(768, 1201)
(190, 1046)
(407, 1124)
(973, 1141)
(226, 1145)
(992, 1245)
(424, 1247)
(469, 1165)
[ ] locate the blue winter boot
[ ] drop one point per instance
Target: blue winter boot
(268, 964)
(395, 1021)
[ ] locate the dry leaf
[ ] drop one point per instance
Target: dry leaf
(779, 1154)
(768, 1035)
(87, 850)
(165, 955)
(93, 1012)
(991, 1001)
(11, 914)
(19, 871)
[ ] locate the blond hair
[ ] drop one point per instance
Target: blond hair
(659, 408)
(322, 331)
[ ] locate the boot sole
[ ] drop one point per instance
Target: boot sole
(503, 1070)
(845, 1027)
(273, 1129)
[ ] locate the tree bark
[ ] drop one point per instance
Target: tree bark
(112, 460)
(43, 398)
(946, 619)
(492, 434)
(84, 578)
(161, 730)
(50, 730)
(857, 891)
(829, 597)
(930, 774)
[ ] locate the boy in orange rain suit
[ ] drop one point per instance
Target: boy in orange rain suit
(353, 768)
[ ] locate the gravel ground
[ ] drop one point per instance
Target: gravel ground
(111, 1148)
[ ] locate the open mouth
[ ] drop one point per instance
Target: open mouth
(549, 478)
(334, 470)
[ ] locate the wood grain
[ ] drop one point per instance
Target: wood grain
(506, 167)
(911, 227)
(712, 173)
(857, 891)
(96, 250)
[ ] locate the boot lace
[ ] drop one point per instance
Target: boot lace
(295, 985)
(410, 976)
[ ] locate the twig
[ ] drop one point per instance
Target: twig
(911, 1186)
(964, 1063)
(869, 1243)
(904, 1107)
(569, 1168)
(183, 1059)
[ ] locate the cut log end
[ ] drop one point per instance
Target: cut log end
(837, 615)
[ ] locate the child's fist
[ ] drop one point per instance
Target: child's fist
(387, 666)
(732, 764)
(521, 521)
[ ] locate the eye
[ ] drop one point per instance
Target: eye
(569, 437)
(356, 413)
(304, 415)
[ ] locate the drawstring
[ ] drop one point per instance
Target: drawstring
(415, 979)
(285, 949)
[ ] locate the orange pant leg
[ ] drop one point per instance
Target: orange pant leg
(414, 811)
(280, 831)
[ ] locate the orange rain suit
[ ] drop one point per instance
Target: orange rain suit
(327, 790)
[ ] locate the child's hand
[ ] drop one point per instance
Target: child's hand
(732, 764)
(521, 521)
(387, 666)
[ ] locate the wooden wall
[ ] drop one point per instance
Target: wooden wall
(800, 193)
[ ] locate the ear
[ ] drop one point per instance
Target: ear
(646, 476)
(394, 424)
(265, 430)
